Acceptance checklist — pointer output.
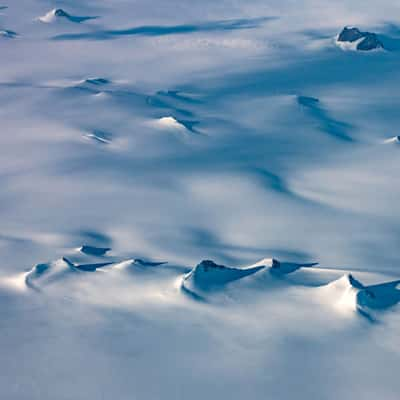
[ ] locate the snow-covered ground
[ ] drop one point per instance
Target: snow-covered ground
(152, 152)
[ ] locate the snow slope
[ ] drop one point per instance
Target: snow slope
(139, 138)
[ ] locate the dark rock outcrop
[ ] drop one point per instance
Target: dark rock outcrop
(61, 13)
(370, 41)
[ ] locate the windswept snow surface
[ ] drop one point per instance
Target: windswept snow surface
(171, 172)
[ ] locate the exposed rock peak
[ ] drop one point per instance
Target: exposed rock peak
(350, 34)
(208, 264)
(354, 282)
(59, 12)
(366, 40)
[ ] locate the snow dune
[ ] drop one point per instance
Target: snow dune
(348, 294)
(48, 273)
(343, 293)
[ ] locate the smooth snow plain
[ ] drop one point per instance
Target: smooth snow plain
(170, 172)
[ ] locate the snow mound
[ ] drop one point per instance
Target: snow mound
(350, 295)
(59, 14)
(169, 123)
(394, 139)
(48, 272)
(53, 15)
(208, 274)
(41, 274)
(343, 293)
(354, 39)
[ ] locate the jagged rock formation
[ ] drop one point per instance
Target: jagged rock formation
(208, 274)
(364, 41)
